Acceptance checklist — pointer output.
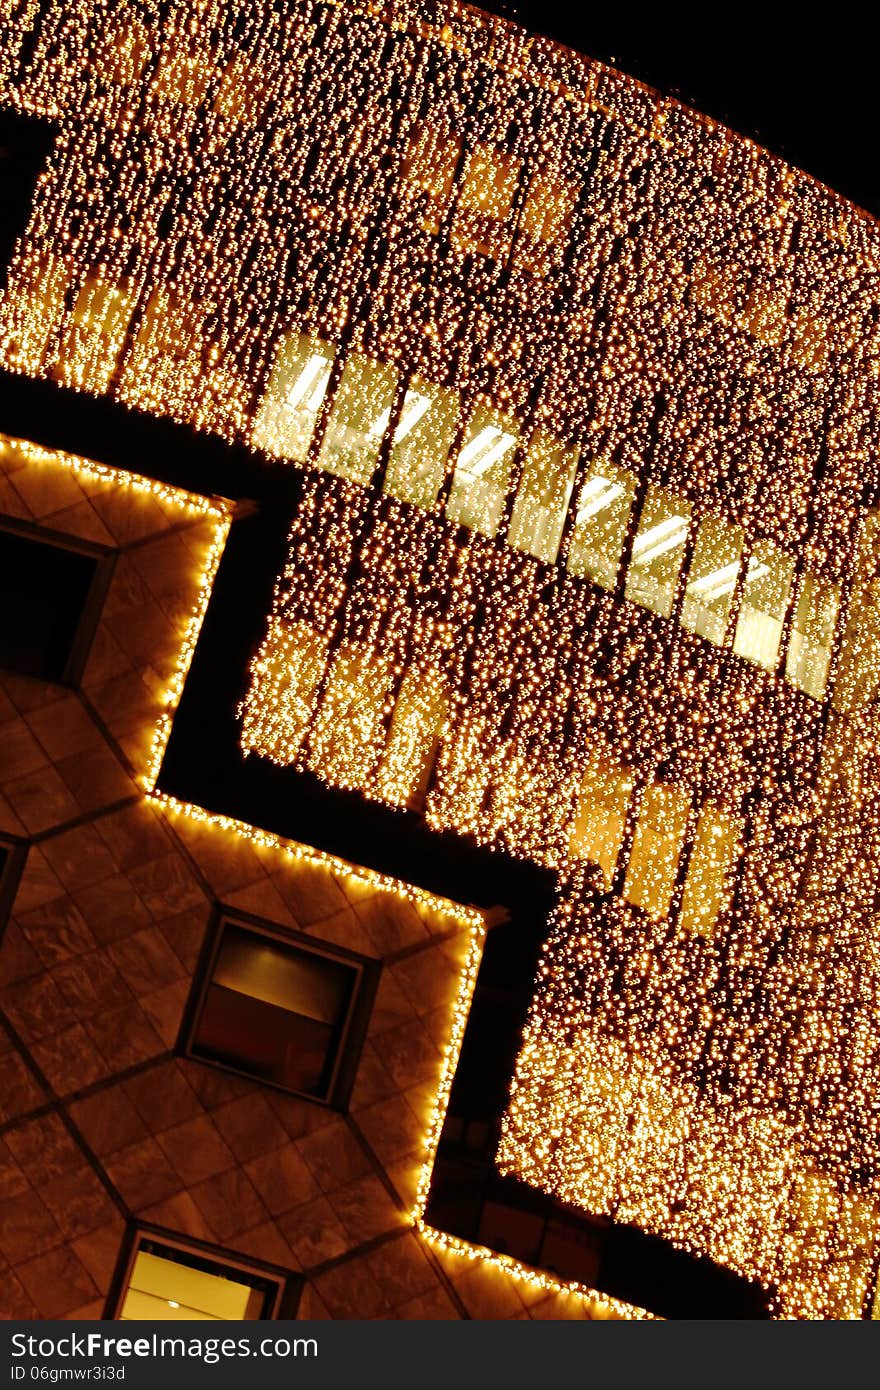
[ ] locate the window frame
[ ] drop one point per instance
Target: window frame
(90, 614)
(11, 868)
(281, 1305)
(353, 1029)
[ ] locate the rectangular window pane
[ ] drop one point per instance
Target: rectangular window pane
(358, 419)
(488, 189)
(549, 206)
(709, 881)
(421, 444)
(348, 730)
(812, 635)
(275, 1010)
(288, 412)
(164, 1290)
(600, 820)
(482, 471)
(600, 523)
(95, 334)
(712, 579)
(658, 551)
(413, 738)
(653, 864)
(543, 497)
(763, 607)
(279, 704)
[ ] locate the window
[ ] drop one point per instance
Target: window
(281, 1008)
(288, 412)
(543, 497)
(657, 843)
(712, 579)
(123, 51)
(288, 672)
(812, 635)
(348, 729)
(545, 220)
(184, 76)
(50, 597)
(429, 166)
(857, 678)
(484, 206)
(413, 738)
(764, 604)
(658, 551)
(358, 419)
(167, 1278)
(603, 508)
(96, 333)
(708, 884)
(33, 307)
(602, 807)
(242, 94)
(482, 471)
(421, 443)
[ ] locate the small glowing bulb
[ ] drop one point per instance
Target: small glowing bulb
(172, 1304)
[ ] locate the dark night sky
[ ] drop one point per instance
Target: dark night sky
(803, 82)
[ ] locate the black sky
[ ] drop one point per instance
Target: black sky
(803, 81)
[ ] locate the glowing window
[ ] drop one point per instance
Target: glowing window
(170, 1280)
(812, 635)
(122, 54)
(277, 1009)
(183, 76)
(421, 444)
(764, 604)
(488, 189)
(348, 729)
(657, 844)
(712, 579)
(96, 333)
(658, 551)
(549, 206)
(431, 161)
(709, 880)
(857, 679)
(600, 819)
(288, 412)
(242, 93)
(482, 471)
(543, 497)
(358, 419)
(603, 507)
(413, 738)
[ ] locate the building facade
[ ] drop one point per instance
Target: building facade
(555, 591)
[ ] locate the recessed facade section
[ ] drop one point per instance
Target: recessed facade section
(281, 1008)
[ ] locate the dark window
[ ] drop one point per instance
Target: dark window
(24, 146)
(165, 1278)
(49, 598)
(282, 1009)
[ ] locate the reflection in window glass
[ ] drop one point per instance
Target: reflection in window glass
(421, 443)
(659, 834)
(543, 497)
(482, 471)
(812, 635)
(712, 578)
(709, 880)
(285, 421)
(169, 1285)
(658, 551)
(763, 607)
(275, 1010)
(600, 820)
(600, 523)
(358, 419)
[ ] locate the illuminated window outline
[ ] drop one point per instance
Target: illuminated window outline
(281, 1287)
(352, 1030)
